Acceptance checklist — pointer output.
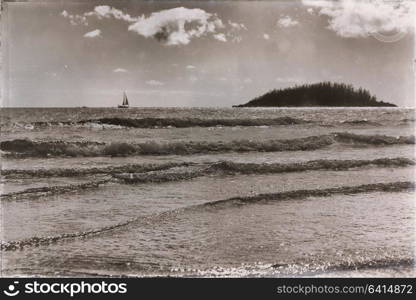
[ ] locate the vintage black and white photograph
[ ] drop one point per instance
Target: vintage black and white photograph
(207, 138)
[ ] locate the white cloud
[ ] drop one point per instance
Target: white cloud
(100, 12)
(154, 82)
(234, 33)
(220, 37)
(237, 26)
(75, 19)
(120, 70)
(177, 26)
(317, 3)
(310, 11)
(248, 80)
(266, 36)
(93, 34)
(105, 11)
(287, 21)
(190, 67)
(236, 39)
(360, 18)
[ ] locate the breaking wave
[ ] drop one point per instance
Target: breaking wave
(236, 201)
(176, 122)
(29, 148)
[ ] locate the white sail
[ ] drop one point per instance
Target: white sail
(125, 100)
(125, 103)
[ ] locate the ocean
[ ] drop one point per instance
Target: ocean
(207, 192)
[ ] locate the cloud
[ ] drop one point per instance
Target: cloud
(248, 80)
(190, 67)
(317, 3)
(237, 26)
(359, 18)
(171, 27)
(105, 11)
(233, 34)
(266, 36)
(154, 82)
(93, 34)
(236, 39)
(75, 19)
(310, 11)
(177, 26)
(120, 70)
(100, 12)
(286, 22)
(220, 37)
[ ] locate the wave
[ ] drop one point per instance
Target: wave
(37, 241)
(260, 269)
(172, 174)
(68, 172)
(235, 201)
(299, 194)
(71, 124)
(407, 120)
(136, 173)
(52, 190)
(322, 164)
(377, 139)
(175, 122)
(360, 122)
(29, 148)
(233, 168)
(372, 264)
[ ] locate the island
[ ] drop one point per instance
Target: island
(318, 94)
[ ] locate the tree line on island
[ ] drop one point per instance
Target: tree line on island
(318, 94)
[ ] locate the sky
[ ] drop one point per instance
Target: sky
(212, 53)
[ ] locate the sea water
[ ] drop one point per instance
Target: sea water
(207, 192)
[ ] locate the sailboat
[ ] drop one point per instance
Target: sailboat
(125, 103)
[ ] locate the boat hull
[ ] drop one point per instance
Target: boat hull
(123, 106)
